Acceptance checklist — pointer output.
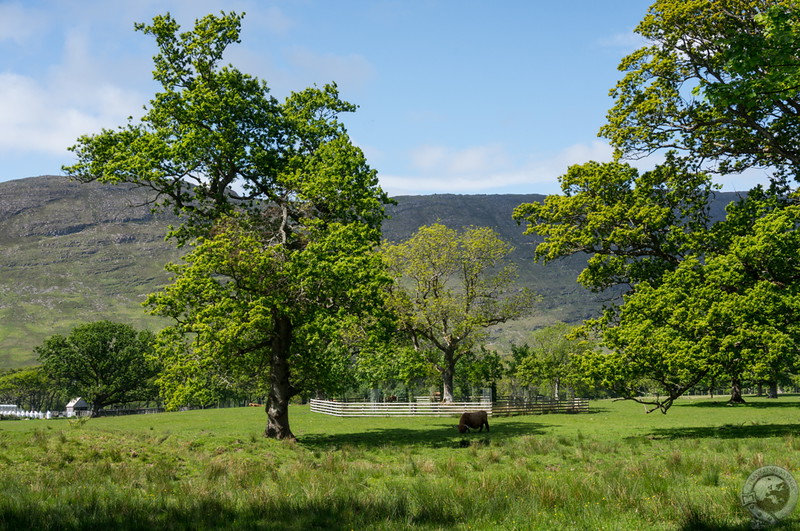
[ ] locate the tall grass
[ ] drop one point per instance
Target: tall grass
(614, 468)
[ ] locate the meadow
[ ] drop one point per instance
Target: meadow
(615, 468)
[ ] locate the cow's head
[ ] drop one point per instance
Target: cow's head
(462, 428)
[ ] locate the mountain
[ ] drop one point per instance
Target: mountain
(72, 253)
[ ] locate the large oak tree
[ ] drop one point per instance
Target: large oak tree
(717, 89)
(274, 196)
(718, 82)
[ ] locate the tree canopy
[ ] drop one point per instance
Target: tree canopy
(245, 307)
(104, 362)
(634, 226)
(282, 209)
(732, 316)
(31, 388)
(214, 141)
(548, 358)
(718, 82)
(716, 90)
(449, 287)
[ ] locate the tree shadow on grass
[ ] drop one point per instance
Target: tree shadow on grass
(762, 403)
(208, 513)
(696, 522)
(444, 437)
(727, 431)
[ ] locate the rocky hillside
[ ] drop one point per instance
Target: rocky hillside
(72, 253)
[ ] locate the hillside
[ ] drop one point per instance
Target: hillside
(72, 253)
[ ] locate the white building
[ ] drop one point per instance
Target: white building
(77, 407)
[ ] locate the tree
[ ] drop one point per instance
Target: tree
(717, 87)
(30, 388)
(734, 315)
(270, 192)
(244, 306)
(718, 82)
(481, 369)
(449, 288)
(549, 358)
(104, 362)
(634, 227)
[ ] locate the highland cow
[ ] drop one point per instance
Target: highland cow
(474, 420)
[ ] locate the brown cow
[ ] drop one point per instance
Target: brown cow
(474, 420)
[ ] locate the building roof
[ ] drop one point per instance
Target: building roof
(77, 403)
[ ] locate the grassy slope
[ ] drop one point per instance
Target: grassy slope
(615, 468)
(72, 253)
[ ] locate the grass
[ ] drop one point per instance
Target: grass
(615, 468)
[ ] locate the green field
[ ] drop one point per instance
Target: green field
(614, 468)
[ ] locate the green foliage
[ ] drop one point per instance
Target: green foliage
(103, 362)
(449, 287)
(484, 368)
(718, 82)
(733, 315)
(717, 90)
(234, 292)
(31, 388)
(214, 141)
(549, 358)
(634, 227)
(282, 209)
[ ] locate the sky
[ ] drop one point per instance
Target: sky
(454, 96)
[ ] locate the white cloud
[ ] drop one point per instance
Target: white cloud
(30, 122)
(488, 169)
(74, 91)
(465, 162)
(38, 117)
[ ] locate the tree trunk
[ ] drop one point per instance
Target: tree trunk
(759, 389)
(447, 384)
(555, 389)
(772, 392)
(96, 405)
(736, 392)
(279, 387)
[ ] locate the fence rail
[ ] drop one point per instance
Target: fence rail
(507, 408)
(397, 409)
(446, 409)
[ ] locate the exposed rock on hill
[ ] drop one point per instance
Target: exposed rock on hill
(72, 253)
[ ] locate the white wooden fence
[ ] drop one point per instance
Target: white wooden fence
(509, 407)
(398, 409)
(24, 414)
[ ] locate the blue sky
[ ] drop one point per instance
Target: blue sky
(456, 96)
